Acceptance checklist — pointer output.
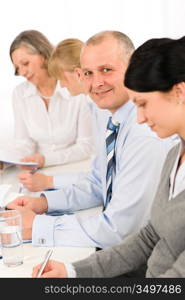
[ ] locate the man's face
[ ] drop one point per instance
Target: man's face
(103, 69)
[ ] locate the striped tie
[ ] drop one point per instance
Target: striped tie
(111, 135)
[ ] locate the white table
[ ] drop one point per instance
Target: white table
(9, 175)
(34, 255)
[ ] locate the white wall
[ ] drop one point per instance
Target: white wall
(60, 19)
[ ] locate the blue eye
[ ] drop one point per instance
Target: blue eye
(87, 73)
(105, 70)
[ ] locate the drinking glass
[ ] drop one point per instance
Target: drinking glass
(11, 237)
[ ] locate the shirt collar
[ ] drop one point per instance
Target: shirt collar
(31, 90)
(182, 146)
(122, 113)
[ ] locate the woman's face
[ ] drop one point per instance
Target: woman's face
(29, 65)
(162, 111)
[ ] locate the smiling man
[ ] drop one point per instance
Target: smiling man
(103, 71)
(125, 173)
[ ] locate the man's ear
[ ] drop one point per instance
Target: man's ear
(179, 89)
(79, 73)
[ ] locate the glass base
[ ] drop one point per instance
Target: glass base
(15, 264)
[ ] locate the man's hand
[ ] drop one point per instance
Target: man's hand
(52, 269)
(35, 182)
(37, 205)
(37, 158)
(27, 222)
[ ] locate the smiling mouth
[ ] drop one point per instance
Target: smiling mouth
(99, 93)
(29, 77)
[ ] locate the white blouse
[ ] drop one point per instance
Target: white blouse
(63, 133)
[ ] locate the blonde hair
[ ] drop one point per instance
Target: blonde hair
(35, 41)
(65, 57)
(124, 41)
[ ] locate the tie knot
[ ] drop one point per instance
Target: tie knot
(112, 124)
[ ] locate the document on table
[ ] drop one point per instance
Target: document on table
(19, 163)
(12, 159)
(6, 195)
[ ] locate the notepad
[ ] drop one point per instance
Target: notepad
(20, 163)
(12, 159)
(4, 190)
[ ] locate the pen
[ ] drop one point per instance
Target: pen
(33, 171)
(47, 257)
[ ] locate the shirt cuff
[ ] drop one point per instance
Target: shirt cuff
(41, 236)
(52, 160)
(53, 196)
(71, 273)
(65, 179)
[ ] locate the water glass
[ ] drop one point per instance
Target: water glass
(11, 237)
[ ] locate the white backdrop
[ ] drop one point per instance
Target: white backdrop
(60, 19)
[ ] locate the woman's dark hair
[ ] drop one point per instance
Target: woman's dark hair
(156, 65)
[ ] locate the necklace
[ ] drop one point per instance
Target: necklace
(44, 97)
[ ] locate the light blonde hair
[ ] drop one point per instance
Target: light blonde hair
(35, 41)
(65, 57)
(125, 42)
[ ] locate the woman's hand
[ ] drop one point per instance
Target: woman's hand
(52, 269)
(35, 182)
(37, 158)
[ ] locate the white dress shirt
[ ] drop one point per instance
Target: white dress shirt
(99, 117)
(177, 185)
(63, 133)
(140, 155)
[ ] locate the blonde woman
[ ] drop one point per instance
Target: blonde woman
(64, 65)
(51, 128)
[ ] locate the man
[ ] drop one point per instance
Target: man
(156, 81)
(123, 181)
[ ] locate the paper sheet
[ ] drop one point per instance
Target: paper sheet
(20, 163)
(6, 196)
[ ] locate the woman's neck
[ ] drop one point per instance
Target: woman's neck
(80, 88)
(47, 87)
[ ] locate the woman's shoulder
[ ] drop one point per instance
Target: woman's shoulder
(24, 89)
(79, 99)
(173, 152)
(82, 98)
